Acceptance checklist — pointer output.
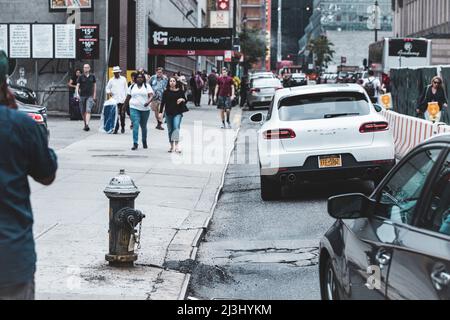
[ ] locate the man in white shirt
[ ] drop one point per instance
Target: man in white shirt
(373, 86)
(117, 88)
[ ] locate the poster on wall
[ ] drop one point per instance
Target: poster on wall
(65, 41)
(88, 42)
(42, 41)
(4, 38)
(20, 41)
(64, 5)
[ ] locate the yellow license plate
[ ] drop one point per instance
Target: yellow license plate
(330, 162)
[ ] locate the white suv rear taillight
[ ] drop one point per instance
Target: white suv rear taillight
(279, 134)
(374, 127)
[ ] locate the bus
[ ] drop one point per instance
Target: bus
(391, 53)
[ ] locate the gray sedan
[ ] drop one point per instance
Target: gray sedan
(261, 92)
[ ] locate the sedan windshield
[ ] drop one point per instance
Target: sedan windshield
(323, 106)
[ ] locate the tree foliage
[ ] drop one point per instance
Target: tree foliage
(253, 46)
(322, 50)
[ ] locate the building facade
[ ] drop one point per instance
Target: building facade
(428, 19)
(254, 14)
(295, 18)
(346, 23)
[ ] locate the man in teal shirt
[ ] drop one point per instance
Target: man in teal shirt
(24, 152)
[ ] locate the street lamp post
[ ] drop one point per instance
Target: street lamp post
(280, 9)
(377, 18)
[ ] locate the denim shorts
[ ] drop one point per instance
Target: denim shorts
(224, 103)
(86, 104)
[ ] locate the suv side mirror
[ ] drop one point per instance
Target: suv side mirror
(350, 206)
(378, 108)
(257, 117)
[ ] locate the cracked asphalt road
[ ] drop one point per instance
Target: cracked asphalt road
(257, 250)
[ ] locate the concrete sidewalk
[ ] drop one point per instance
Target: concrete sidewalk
(178, 195)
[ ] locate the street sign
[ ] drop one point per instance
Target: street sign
(228, 56)
(220, 19)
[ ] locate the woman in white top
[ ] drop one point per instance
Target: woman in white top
(139, 96)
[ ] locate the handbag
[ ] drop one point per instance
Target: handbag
(184, 108)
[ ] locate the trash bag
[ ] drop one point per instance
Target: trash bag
(109, 117)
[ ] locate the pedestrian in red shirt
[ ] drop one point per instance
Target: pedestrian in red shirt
(225, 94)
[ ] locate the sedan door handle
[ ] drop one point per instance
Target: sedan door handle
(440, 279)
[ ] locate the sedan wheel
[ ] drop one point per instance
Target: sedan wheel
(330, 286)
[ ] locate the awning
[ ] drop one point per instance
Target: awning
(184, 53)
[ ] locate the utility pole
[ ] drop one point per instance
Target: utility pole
(199, 25)
(377, 19)
(280, 9)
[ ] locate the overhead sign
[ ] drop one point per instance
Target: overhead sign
(65, 39)
(42, 41)
(223, 5)
(88, 42)
(191, 39)
(220, 19)
(20, 41)
(4, 38)
(408, 48)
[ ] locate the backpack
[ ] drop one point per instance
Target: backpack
(199, 82)
(370, 88)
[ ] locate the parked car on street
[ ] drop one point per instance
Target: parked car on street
(395, 243)
(23, 94)
(261, 91)
(261, 75)
(37, 113)
(319, 133)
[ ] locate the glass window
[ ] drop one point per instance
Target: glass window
(437, 217)
(400, 195)
(323, 106)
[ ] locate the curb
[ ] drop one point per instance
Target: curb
(57, 114)
(202, 232)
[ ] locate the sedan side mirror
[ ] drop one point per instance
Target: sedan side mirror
(378, 108)
(350, 206)
(257, 117)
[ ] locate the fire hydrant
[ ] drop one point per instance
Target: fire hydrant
(123, 220)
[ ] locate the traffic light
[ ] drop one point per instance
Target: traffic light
(223, 5)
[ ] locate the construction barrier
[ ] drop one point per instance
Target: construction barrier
(409, 131)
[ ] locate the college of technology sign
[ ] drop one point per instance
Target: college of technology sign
(190, 42)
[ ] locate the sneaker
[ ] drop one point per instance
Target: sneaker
(135, 147)
(115, 132)
(159, 127)
(86, 128)
(228, 125)
(145, 146)
(123, 130)
(223, 126)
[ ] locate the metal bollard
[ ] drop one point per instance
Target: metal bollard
(123, 219)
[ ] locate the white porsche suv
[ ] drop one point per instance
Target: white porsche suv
(316, 133)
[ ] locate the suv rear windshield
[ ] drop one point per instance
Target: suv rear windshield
(323, 106)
